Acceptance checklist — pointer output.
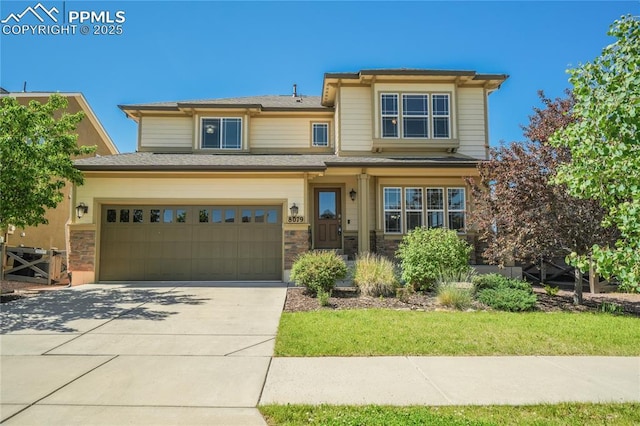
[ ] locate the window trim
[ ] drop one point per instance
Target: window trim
(463, 211)
(385, 210)
(430, 116)
(425, 210)
(433, 115)
(443, 209)
(397, 116)
(421, 209)
(327, 124)
(222, 119)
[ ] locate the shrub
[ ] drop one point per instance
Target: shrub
(508, 299)
(551, 291)
(323, 297)
(375, 275)
(403, 293)
(425, 253)
(318, 270)
(455, 296)
(494, 281)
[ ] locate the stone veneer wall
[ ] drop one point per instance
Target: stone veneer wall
(296, 242)
(82, 253)
(350, 244)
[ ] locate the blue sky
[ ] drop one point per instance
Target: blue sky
(178, 50)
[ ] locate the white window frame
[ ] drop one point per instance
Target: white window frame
(385, 210)
(397, 116)
(430, 116)
(221, 132)
(463, 210)
(434, 116)
(412, 210)
(427, 116)
(314, 142)
(443, 210)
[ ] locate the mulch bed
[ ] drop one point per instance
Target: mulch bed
(348, 298)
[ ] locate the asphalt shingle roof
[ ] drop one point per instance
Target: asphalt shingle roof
(249, 162)
(264, 102)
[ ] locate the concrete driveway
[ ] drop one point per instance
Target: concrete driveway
(139, 353)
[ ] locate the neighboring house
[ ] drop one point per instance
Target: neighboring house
(90, 133)
(236, 188)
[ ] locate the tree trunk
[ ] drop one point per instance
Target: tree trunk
(543, 271)
(577, 286)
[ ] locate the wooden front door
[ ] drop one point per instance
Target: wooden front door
(328, 218)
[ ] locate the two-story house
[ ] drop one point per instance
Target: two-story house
(236, 188)
(90, 133)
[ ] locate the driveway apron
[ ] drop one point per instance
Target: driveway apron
(139, 353)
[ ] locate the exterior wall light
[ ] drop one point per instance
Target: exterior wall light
(352, 194)
(81, 209)
(294, 210)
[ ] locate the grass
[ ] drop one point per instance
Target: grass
(545, 414)
(388, 332)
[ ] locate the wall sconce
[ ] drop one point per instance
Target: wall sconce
(352, 194)
(294, 210)
(81, 209)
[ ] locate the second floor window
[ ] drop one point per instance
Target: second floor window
(320, 134)
(415, 116)
(221, 133)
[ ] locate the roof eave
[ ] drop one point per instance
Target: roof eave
(193, 168)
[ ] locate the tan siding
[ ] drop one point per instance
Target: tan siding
(274, 132)
(166, 132)
(355, 131)
(471, 126)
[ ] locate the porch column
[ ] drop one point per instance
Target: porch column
(363, 213)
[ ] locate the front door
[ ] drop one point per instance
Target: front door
(328, 219)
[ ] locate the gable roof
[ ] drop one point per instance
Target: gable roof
(148, 161)
(86, 108)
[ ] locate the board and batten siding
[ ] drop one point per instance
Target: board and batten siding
(355, 119)
(289, 132)
(471, 122)
(166, 132)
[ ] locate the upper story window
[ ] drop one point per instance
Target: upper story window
(417, 116)
(320, 134)
(221, 133)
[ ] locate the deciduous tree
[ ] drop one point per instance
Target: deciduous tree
(37, 143)
(604, 142)
(518, 213)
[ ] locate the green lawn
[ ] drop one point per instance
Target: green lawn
(548, 414)
(388, 332)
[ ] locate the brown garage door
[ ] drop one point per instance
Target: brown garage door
(199, 243)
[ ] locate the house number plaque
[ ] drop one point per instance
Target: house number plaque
(295, 219)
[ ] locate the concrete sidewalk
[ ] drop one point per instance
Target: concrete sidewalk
(452, 380)
(139, 353)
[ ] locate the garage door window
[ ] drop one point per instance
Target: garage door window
(155, 216)
(124, 215)
(272, 216)
(181, 216)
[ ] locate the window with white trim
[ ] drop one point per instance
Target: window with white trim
(389, 115)
(320, 134)
(393, 210)
(413, 207)
(415, 115)
(221, 133)
(430, 207)
(435, 207)
(456, 208)
(441, 115)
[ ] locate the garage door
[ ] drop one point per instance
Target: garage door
(198, 243)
